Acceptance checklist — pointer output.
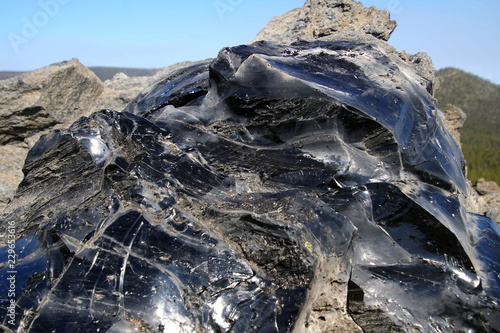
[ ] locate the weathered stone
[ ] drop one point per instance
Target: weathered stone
(34, 102)
(424, 67)
(322, 18)
(489, 192)
(484, 187)
(119, 91)
(52, 97)
(454, 119)
(10, 171)
(346, 20)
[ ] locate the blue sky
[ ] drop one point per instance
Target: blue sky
(154, 34)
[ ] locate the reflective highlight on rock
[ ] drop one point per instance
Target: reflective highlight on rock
(266, 191)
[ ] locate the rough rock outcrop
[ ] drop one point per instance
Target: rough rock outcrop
(323, 18)
(276, 188)
(36, 101)
(345, 20)
(120, 90)
(11, 174)
(54, 97)
(490, 194)
(454, 119)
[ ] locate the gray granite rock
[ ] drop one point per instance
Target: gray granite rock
(321, 18)
(454, 119)
(53, 97)
(36, 101)
(489, 192)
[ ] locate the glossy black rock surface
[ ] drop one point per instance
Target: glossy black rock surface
(205, 205)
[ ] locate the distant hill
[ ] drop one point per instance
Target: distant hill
(480, 136)
(106, 73)
(103, 73)
(8, 75)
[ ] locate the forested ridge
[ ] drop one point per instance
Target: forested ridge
(480, 100)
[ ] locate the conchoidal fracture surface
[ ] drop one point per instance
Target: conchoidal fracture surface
(270, 190)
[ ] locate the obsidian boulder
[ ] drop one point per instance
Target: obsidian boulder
(209, 203)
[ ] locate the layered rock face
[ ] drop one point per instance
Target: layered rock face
(34, 103)
(31, 103)
(302, 187)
